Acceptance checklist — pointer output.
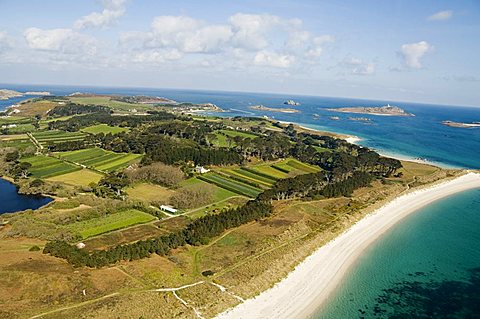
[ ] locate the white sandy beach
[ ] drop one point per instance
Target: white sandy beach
(313, 280)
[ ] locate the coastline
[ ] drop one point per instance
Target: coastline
(309, 285)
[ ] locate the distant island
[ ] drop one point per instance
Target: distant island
(6, 94)
(461, 125)
(291, 102)
(271, 109)
(386, 110)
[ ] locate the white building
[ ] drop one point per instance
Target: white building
(201, 169)
(169, 209)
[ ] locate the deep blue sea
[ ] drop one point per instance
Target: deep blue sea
(427, 266)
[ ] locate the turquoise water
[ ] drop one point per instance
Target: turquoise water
(427, 266)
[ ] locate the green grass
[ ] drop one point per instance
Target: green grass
(45, 167)
(223, 135)
(99, 159)
(20, 143)
(268, 170)
(231, 185)
(302, 166)
(105, 129)
(101, 225)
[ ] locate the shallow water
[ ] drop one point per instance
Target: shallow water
(427, 266)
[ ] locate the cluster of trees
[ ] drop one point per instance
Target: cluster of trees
(200, 231)
(193, 196)
(70, 108)
(76, 123)
(157, 173)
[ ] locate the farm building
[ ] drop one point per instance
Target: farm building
(169, 209)
(201, 170)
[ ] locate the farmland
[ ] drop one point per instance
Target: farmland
(20, 141)
(44, 167)
(83, 177)
(231, 185)
(101, 225)
(105, 129)
(99, 159)
(250, 181)
(46, 137)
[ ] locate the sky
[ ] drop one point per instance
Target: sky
(418, 51)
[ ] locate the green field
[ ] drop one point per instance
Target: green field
(57, 137)
(82, 177)
(225, 137)
(99, 159)
(285, 168)
(44, 167)
(231, 185)
(105, 129)
(20, 141)
(101, 225)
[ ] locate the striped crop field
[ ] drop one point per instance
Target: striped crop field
(47, 137)
(231, 185)
(99, 159)
(44, 167)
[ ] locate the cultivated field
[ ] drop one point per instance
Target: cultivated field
(82, 177)
(231, 185)
(99, 159)
(101, 225)
(47, 137)
(20, 141)
(44, 167)
(105, 129)
(149, 192)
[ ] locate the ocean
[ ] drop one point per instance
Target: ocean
(427, 265)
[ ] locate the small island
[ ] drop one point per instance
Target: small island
(291, 102)
(386, 110)
(271, 109)
(461, 125)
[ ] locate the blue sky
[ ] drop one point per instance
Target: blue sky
(421, 51)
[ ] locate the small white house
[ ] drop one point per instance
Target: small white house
(201, 169)
(80, 245)
(169, 209)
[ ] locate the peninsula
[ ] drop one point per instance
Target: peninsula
(272, 109)
(386, 110)
(6, 94)
(461, 125)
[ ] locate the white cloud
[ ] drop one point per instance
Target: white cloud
(317, 46)
(245, 40)
(187, 35)
(64, 41)
(251, 29)
(157, 56)
(6, 42)
(412, 53)
(359, 67)
(441, 16)
(113, 10)
(267, 58)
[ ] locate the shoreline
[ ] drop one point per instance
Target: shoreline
(309, 285)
